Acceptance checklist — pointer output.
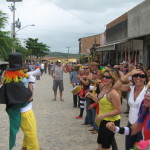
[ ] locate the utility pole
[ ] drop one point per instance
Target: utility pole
(15, 23)
(68, 52)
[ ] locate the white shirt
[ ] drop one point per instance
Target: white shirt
(135, 105)
(26, 108)
(42, 66)
(58, 72)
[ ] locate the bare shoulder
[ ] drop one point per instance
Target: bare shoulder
(113, 92)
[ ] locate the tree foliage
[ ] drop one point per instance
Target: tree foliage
(9, 44)
(24, 51)
(36, 48)
(6, 45)
(6, 42)
(3, 20)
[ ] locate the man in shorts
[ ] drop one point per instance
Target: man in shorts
(57, 75)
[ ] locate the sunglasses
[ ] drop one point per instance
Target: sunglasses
(85, 68)
(94, 72)
(139, 75)
(107, 77)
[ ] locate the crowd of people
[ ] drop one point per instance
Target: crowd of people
(103, 90)
(98, 92)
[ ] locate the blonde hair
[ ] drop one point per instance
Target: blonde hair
(113, 74)
(115, 77)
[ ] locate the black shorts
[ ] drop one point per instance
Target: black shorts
(105, 136)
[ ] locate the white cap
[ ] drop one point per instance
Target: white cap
(31, 79)
(58, 60)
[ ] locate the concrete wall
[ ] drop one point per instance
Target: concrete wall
(117, 21)
(117, 32)
(139, 20)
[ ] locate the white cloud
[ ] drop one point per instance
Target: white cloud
(60, 23)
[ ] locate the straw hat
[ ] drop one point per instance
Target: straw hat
(94, 64)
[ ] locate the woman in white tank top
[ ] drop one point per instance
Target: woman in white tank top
(136, 95)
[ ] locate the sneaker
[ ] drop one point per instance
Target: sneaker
(74, 106)
(78, 117)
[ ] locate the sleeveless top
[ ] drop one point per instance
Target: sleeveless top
(105, 107)
(135, 105)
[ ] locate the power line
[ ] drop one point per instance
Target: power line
(62, 7)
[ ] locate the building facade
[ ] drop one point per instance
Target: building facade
(86, 44)
(128, 37)
(139, 28)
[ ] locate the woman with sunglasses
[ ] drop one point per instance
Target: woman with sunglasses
(110, 107)
(142, 123)
(136, 95)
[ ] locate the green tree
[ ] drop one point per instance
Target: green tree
(6, 45)
(6, 42)
(22, 50)
(36, 48)
(3, 20)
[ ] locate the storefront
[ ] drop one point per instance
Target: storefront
(114, 53)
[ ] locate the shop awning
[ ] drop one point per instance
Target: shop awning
(109, 46)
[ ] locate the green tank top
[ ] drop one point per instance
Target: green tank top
(105, 107)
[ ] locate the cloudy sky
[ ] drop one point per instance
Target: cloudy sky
(60, 23)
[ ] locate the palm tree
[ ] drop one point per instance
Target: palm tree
(3, 19)
(6, 42)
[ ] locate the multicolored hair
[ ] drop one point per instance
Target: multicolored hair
(143, 112)
(14, 76)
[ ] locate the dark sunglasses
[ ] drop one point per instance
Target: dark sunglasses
(107, 77)
(94, 72)
(85, 68)
(139, 75)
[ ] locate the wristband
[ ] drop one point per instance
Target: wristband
(117, 129)
(123, 130)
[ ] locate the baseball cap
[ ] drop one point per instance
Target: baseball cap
(58, 60)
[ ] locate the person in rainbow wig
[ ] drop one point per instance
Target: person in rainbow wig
(17, 97)
(102, 69)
